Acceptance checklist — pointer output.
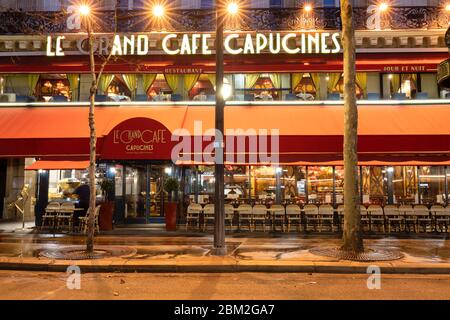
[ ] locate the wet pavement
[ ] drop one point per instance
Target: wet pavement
(153, 247)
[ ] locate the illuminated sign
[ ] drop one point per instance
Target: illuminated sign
(196, 43)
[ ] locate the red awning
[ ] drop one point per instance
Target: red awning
(308, 133)
(58, 165)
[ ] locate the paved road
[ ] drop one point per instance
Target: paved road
(41, 285)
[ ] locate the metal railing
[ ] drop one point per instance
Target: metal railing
(202, 20)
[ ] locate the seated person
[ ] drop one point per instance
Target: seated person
(200, 97)
(83, 192)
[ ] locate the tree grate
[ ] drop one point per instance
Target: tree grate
(366, 256)
(80, 253)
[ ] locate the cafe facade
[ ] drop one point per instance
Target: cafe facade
(283, 73)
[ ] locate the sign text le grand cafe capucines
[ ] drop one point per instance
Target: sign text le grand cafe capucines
(196, 43)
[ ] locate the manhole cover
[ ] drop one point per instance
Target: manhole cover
(367, 255)
(79, 252)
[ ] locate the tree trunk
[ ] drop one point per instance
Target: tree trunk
(352, 240)
(92, 147)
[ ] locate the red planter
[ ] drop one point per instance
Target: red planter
(170, 211)
(105, 217)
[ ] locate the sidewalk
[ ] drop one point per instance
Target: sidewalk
(157, 251)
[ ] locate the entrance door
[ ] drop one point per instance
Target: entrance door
(157, 195)
(143, 187)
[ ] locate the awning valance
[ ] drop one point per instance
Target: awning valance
(58, 165)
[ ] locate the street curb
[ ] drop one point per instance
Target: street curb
(227, 268)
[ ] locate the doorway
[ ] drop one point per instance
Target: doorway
(143, 187)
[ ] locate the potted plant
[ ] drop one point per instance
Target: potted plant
(171, 185)
(107, 207)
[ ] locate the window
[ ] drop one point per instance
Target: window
(206, 4)
(306, 87)
(330, 3)
(202, 89)
(432, 184)
(320, 184)
(159, 90)
(275, 3)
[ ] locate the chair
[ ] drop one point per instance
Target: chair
(175, 97)
(441, 217)
(376, 216)
(326, 213)
(373, 96)
(393, 217)
(340, 212)
(293, 215)
(290, 97)
(245, 215)
(365, 218)
(58, 98)
(421, 95)
(259, 213)
(51, 211)
(423, 218)
(407, 212)
(208, 215)
(399, 96)
(311, 216)
(229, 215)
(65, 216)
(279, 215)
(334, 96)
(249, 97)
(141, 97)
(84, 221)
(193, 214)
(101, 98)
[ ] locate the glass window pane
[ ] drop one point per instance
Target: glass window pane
(293, 184)
(432, 184)
(264, 183)
(339, 184)
(405, 184)
(320, 184)
(374, 190)
(236, 183)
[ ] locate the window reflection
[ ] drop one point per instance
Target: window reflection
(320, 184)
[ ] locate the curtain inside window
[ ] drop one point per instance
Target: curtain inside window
(276, 79)
(315, 77)
(333, 81)
(131, 82)
(361, 81)
(147, 80)
(172, 81)
(395, 83)
(296, 78)
(32, 82)
(212, 78)
(189, 81)
(104, 82)
(74, 83)
(250, 80)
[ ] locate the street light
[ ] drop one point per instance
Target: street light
(84, 10)
(219, 247)
(158, 11)
(383, 7)
(232, 8)
(307, 8)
